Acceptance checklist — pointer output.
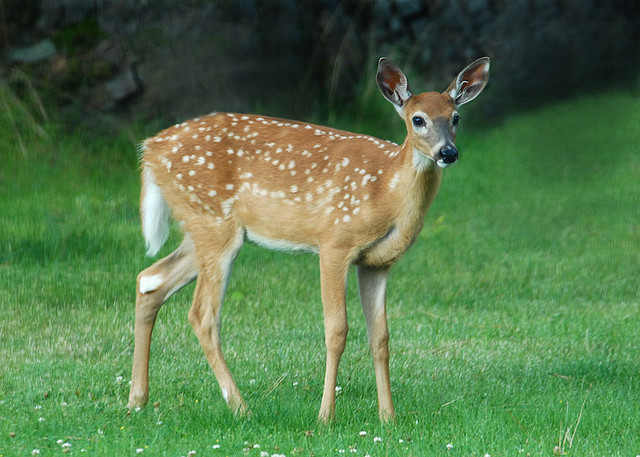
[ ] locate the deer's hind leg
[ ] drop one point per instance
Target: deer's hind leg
(155, 285)
(204, 315)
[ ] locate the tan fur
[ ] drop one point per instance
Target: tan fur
(353, 198)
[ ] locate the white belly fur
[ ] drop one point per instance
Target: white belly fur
(278, 245)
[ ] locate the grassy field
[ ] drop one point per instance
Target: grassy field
(514, 320)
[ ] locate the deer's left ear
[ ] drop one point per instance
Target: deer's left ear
(469, 82)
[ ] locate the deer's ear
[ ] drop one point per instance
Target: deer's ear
(393, 83)
(469, 82)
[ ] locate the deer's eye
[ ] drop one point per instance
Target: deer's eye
(456, 120)
(418, 121)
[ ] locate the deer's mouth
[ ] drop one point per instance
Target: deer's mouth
(442, 164)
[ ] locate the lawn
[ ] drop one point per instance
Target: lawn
(514, 320)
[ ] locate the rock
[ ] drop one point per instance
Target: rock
(126, 84)
(37, 52)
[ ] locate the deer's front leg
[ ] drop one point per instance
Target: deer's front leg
(334, 267)
(372, 284)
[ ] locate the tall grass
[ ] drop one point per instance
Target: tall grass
(514, 318)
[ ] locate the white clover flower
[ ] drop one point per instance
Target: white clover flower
(66, 447)
(35, 452)
(119, 379)
(363, 433)
(139, 450)
(215, 446)
(38, 407)
(64, 404)
(338, 389)
(450, 446)
(377, 439)
(59, 442)
(191, 453)
(41, 419)
(264, 454)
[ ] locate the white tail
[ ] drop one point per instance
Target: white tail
(352, 198)
(154, 212)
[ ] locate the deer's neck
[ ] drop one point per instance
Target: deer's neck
(418, 187)
(414, 192)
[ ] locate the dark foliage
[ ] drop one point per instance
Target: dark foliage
(179, 58)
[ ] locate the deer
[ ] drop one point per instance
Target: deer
(350, 198)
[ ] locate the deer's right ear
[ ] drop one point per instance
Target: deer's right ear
(393, 84)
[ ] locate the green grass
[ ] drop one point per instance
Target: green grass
(514, 319)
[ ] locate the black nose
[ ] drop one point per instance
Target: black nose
(449, 154)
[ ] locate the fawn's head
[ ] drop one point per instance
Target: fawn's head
(432, 118)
